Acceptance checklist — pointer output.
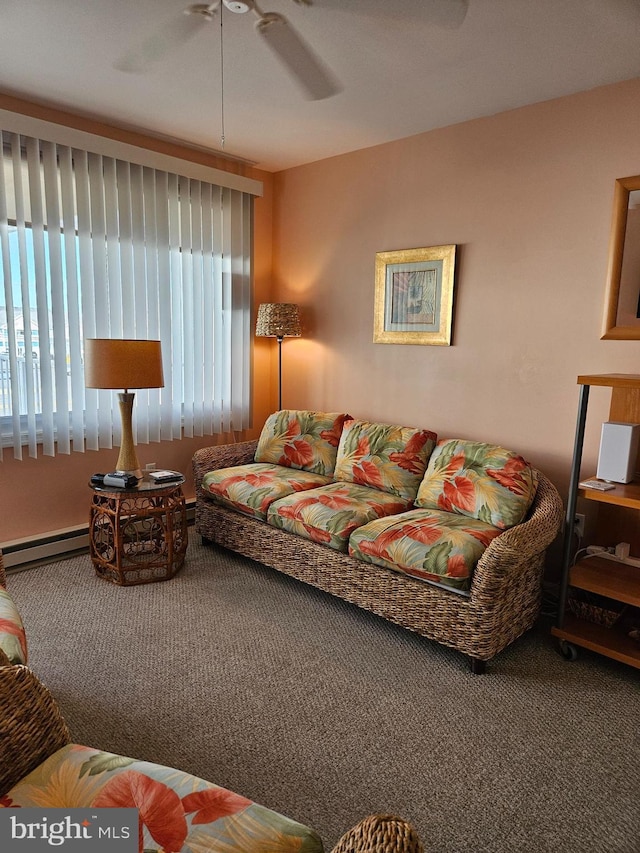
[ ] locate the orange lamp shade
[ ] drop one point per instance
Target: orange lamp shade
(111, 363)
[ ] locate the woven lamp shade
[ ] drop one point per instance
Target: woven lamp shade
(111, 363)
(278, 320)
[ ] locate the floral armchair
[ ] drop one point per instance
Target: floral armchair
(13, 640)
(177, 811)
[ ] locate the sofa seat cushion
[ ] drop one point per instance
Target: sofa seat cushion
(382, 456)
(177, 811)
(13, 640)
(329, 515)
(301, 439)
(482, 481)
(253, 487)
(432, 545)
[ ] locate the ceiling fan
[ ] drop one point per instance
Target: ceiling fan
(303, 64)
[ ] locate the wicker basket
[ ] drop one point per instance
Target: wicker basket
(594, 613)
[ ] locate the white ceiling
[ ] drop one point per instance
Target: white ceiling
(401, 73)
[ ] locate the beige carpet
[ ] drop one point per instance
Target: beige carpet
(326, 713)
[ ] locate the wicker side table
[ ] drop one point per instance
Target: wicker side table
(138, 535)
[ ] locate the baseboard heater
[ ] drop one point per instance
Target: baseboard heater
(36, 550)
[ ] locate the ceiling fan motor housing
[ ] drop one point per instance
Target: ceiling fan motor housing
(237, 6)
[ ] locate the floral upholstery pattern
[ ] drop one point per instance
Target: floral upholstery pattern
(253, 487)
(301, 439)
(329, 515)
(177, 811)
(482, 481)
(381, 456)
(13, 640)
(432, 545)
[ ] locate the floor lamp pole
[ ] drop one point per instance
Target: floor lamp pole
(279, 339)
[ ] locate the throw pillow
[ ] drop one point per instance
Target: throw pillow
(482, 481)
(384, 456)
(301, 439)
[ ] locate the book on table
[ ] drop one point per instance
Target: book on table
(164, 476)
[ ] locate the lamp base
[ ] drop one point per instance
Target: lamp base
(128, 459)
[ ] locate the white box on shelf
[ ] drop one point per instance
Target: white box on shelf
(618, 452)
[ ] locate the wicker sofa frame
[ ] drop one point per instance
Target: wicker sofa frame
(506, 589)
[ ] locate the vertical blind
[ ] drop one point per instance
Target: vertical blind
(94, 246)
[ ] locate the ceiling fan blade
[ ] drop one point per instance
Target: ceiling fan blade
(449, 14)
(167, 37)
(315, 78)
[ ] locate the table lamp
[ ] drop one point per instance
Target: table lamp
(278, 320)
(111, 363)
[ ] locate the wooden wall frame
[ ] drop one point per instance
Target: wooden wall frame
(612, 329)
(421, 317)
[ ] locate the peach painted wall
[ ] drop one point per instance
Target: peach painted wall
(527, 197)
(38, 496)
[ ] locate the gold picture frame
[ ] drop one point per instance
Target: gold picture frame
(622, 302)
(414, 296)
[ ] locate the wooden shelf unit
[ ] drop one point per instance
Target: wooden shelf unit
(609, 578)
(622, 495)
(597, 638)
(614, 580)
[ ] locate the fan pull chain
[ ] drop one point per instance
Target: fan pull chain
(221, 82)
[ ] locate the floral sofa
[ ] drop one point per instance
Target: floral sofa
(446, 538)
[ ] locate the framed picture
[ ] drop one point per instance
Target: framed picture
(414, 296)
(622, 302)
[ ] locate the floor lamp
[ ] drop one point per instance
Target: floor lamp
(111, 363)
(278, 320)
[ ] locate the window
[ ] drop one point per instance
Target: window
(97, 246)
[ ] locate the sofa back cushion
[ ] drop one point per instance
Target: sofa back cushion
(383, 456)
(301, 439)
(482, 481)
